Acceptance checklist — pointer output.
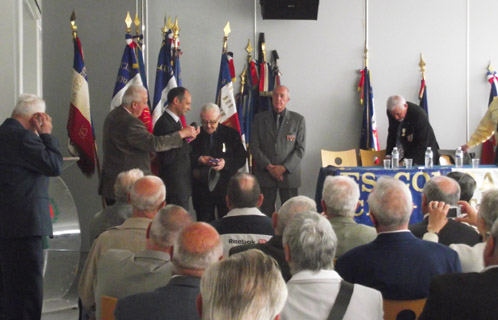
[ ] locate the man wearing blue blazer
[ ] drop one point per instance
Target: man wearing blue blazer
(396, 263)
(29, 154)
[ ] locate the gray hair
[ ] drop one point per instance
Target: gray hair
(133, 94)
(391, 202)
(341, 195)
(124, 182)
(147, 193)
(466, 182)
(27, 105)
(210, 107)
(246, 286)
(441, 188)
(488, 210)
(291, 208)
(494, 231)
(394, 102)
(197, 246)
(167, 223)
(312, 242)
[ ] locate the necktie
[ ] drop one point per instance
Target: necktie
(277, 123)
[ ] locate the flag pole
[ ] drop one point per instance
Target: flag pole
(366, 33)
(422, 65)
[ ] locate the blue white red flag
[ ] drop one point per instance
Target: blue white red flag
(79, 124)
(369, 138)
(422, 95)
(224, 94)
(488, 147)
(177, 70)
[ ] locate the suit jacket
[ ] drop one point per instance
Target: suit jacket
(285, 147)
(111, 216)
(416, 135)
(274, 248)
(452, 232)
(313, 293)
(26, 162)
(127, 144)
(350, 234)
(176, 301)
(463, 296)
(235, 156)
(174, 164)
(397, 264)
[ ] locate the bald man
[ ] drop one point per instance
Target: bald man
(197, 247)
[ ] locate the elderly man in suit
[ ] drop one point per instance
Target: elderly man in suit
(126, 142)
(467, 295)
(309, 244)
(396, 263)
(197, 247)
(29, 154)
(277, 145)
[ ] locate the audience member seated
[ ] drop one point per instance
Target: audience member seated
(121, 210)
(273, 247)
(471, 258)
(246, 286)
(244, 223)
(198, 246)
(467, 295)
(447, 190)
(340, 198)
(396, 263)
(146, 198)
(466, 182)
(310, 244)
(121, 272)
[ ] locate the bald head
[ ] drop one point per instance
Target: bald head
(243, 191)
(441, 188)
(167, 224)
(147, 195)
(197, 246)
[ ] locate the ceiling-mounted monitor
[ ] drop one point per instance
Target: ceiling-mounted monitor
(289, 9)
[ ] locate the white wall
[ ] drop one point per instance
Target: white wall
(319, 60)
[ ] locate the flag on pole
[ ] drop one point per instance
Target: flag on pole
(369, 139)
(422, 95)
(79, 124)
(225, 96)
(175, 53)
(488, 147)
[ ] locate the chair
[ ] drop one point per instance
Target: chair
(339, 158)
(108, 306)
(404, 309)
(368, 158)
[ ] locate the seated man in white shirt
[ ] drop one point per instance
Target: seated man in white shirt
(310, 244)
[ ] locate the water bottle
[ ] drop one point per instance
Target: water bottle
(458, 158)
(395, 158)
(428, 158)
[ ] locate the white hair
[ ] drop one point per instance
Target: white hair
(150, 199)
(488, 210)
(341, 195)
(27, 105)
(394, 102)
(167, 223)
(124, 182)
(133, 94)
(291, 208)
(246, 286)
(210, 107)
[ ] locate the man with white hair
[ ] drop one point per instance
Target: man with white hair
(340, 198)
(121, 210)
(146, 197)
(396, 263)
(467, 295)
(274, 248)
(122, 272)
(197, 247)
(246, 286)
(218, 149)
(410, 131)
(29, 154)
(314, 289)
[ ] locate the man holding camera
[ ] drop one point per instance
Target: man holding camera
(446, 191)
(217, 154)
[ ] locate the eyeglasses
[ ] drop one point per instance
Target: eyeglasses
(205, 123)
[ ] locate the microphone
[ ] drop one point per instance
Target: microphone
(194, 124)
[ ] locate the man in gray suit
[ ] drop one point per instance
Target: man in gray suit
(277, 146)
(127, 143)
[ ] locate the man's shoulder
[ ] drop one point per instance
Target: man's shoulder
(263, 115)
(295, 115)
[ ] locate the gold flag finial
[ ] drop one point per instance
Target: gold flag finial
(366, 54)
(422, 65)
(136, 21)
(165, 28)
(243, 80)
(170, 24)
(249, 50)
(225, 39)
(490, 67)
(74, 28)
(128, 22)
(176, 29)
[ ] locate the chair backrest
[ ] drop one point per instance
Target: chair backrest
(368, 158)
(393, 308)
(108, 306)
(345, 158)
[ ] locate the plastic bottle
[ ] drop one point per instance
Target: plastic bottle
(395, 158)
(459, 158)
(428, 158)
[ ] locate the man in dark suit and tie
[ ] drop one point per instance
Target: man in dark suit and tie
(29, 154)
(396, 263)
(174, 164)
(217, 148)
(277, 146)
